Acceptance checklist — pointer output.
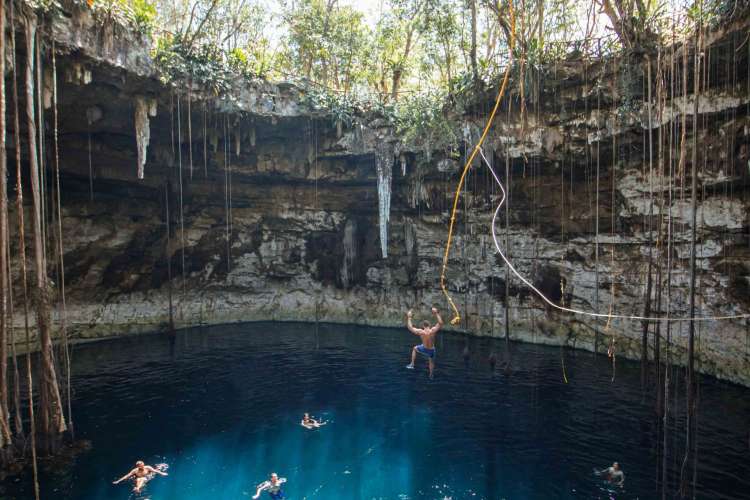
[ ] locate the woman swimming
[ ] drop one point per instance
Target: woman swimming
(310, 423)
(272, 486)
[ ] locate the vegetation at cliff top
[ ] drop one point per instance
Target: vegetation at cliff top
(404, 57)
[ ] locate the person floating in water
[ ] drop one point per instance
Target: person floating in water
(142, 474)
(427, 334)
(309, 422)
(613, 474)
(272, 486)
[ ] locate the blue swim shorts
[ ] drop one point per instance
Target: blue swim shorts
(279, 495)
(430, 353)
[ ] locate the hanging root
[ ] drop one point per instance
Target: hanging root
(612, 350)
(511, 43)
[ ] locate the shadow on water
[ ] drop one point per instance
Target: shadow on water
(222, 406)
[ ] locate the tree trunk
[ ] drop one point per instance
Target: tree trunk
(5, 436)
(51, 416)
(22, 258)
(398, 70)
(474, 69)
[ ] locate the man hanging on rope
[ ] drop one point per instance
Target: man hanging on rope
(427, 334)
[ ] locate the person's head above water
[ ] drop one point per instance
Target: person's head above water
(140, 464)
(274, 477)
(616, 466)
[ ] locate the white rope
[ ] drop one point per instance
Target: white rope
(568, 309)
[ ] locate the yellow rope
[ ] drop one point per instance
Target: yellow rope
(457, 316)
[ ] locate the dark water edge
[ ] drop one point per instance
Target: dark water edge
(469, 433)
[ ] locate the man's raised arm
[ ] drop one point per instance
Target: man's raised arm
(156, 471)
(409, 325)
(261, 487)
(439, 323)
(126, 476)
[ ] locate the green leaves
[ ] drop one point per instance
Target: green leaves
(422, 123)
(328, 44)
(204, 64)
(140, 15)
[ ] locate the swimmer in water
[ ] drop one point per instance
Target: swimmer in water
(309, 422)
(272, 486)
(613, 474)
(427, 334)
(141, 475)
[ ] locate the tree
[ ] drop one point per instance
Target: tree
(634, 21)
(50, 404)
(328, 43)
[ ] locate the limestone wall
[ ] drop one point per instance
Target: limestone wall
(300, 238)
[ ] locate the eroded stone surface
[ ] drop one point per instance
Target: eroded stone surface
(280, 212)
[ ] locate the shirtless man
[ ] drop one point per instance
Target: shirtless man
(613, 474)
(272, 486)
(427, 334)
(310, 423)
(141, 474)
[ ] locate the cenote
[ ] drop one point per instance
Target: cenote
(222, 405)
(562, 185)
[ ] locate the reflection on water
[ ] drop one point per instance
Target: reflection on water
(222, 407)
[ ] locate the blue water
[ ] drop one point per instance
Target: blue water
(222, 406)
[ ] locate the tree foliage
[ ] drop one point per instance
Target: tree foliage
(408, 59)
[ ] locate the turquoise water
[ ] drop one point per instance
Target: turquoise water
(222, 406)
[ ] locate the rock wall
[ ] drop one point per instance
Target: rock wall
(260, 207)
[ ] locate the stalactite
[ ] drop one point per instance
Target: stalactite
(171, 122)
(205, 140)
(237, 138)
(182, 214)
(225, 122)
(50, 404)
(229, 179)
(190, 127)
(64, 313)
(410, 240)
(168, 255)
(142, 132)
(91, 173)
(5, 433)
(384, 169)
(22, 254)
(349, 244)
